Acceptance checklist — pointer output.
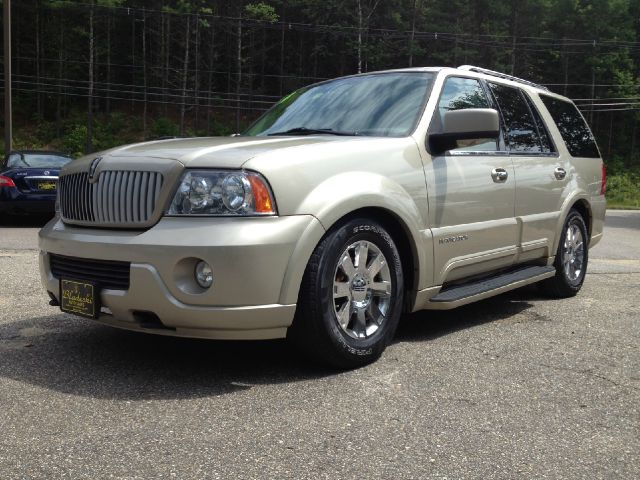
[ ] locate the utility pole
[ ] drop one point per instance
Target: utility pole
(8, 130)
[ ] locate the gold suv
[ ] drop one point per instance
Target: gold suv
(348, 203)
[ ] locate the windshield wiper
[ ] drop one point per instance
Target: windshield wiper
(313, 131)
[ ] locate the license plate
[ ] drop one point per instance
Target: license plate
(79, 297)
(47, 186)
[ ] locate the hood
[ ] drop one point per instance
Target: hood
(220, 152)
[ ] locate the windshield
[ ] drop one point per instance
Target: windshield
(385, 105)
(37, 160)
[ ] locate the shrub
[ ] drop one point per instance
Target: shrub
(163, 127)
(623, 189)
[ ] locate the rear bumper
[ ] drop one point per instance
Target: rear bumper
(14, 202)
(251, 260)
(598, 212)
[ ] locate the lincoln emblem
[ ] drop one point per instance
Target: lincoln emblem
(93, 167)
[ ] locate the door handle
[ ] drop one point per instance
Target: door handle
(560, 173)
(499, 175)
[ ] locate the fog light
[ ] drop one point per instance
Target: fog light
(204, 274)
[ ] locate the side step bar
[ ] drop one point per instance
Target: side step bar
(457, 295)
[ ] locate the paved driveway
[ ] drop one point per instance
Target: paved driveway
(512, 387)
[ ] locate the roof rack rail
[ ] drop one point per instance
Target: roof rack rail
(493, 73)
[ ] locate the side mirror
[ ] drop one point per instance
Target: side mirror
(466, 124)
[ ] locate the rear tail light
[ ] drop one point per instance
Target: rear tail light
(603, 185)
(6, 182)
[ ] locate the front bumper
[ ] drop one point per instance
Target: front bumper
(256, 265)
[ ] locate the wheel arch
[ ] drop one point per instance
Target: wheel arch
(580, 203)
(582, 206)
(410, 255)
(402, 237)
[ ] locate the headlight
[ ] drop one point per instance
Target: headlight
(218, 192)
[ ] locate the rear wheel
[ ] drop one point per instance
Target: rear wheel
(351, 296)
(571, 259)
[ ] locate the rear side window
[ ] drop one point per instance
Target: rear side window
(545, 140)
(573, 128)
(522, 132)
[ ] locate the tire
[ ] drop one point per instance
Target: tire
(348, 312)
(571, 260)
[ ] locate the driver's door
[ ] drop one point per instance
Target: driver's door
(471, 193)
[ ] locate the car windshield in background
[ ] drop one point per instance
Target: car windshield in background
(37, 160)
(385, 105)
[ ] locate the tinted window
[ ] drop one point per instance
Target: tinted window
(522, 133)
(573, 128)
(459, 93)
(37, 160)
(545, 140)
(378, 105)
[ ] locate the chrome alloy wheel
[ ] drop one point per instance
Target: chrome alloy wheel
(573, 253)
(361, 289)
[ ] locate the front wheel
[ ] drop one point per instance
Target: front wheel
(571, 259)
(351, 296)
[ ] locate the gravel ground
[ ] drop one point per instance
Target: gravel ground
(516, 386)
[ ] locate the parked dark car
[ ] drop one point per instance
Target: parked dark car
(29, 180)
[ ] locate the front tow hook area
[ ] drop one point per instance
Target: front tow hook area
(54, 301)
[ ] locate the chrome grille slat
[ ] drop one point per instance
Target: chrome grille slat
(142, 207)
(136, 197)
(122, 197)
(110, 200)
(129, 195)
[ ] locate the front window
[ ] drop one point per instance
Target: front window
(37, 160)
(382, 105)
(459, 93)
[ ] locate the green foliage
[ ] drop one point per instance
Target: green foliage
(163, 127)
(623, 190)
(317, 39)
(74, 140)
(262, 11)
(219, 129)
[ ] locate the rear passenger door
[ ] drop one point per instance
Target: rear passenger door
(471, 192)
(540, 175)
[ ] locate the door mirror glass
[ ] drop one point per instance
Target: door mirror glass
(469, 128)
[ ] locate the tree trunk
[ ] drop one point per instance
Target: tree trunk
(284, 6)
(108, 99)
(239, 66)
(514, 33)
(210, 79)
(59, 99)
(263, 59)
(413, 32)
(565, 65)
(38, 94)
(144, 73)
(593, 83)
(165, 78)
(89, 143)
(359, 36)
(133, 60)
(185, 74)
(197, 75)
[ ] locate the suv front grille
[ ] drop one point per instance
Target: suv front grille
(105, 273)
(117, 197)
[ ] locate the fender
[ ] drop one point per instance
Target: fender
(365, 190)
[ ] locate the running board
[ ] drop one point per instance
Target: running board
(457, 295)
